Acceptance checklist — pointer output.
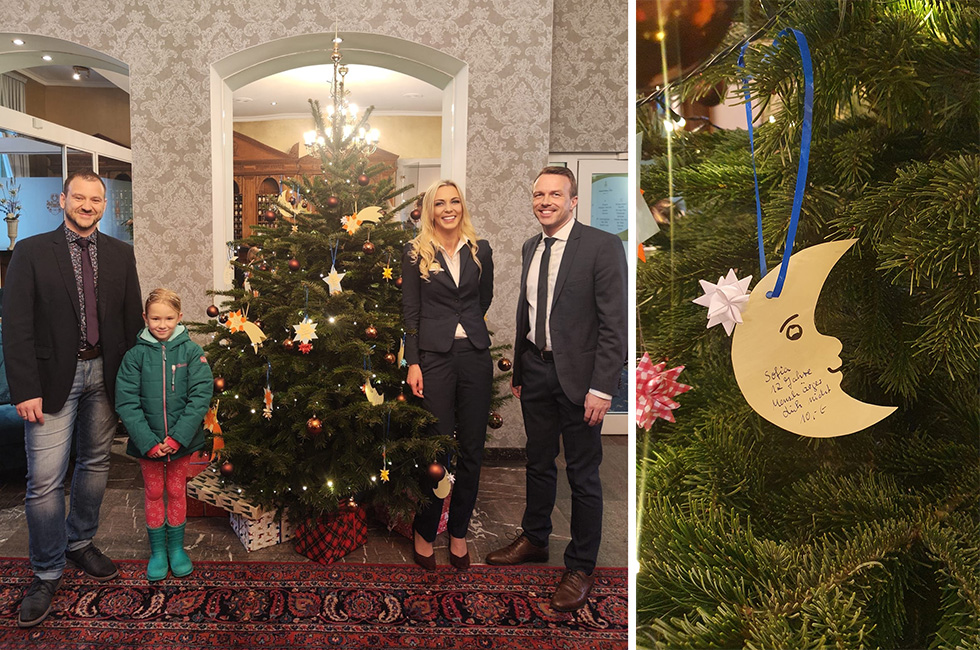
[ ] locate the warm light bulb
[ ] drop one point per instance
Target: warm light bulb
(309, 138)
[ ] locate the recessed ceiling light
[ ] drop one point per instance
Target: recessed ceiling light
(47, 57)
(273, 103)
(413, 95)
(18, 41)
(244, 100)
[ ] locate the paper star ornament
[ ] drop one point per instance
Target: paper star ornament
(305, 331)
(211, 420)
(385, 476)
(386, 272)
(255, 335)
(725, 300)
(333, 280)
(236, 321)
(305, 347)
(655, 390)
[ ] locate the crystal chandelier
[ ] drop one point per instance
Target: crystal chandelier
(349, 131)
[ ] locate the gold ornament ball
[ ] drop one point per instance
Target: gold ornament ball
(223, 318)
(294, 264)
(367, 247)
(398, 282)
(363, 180)
(213, 311)
(371, 332)
(505, 364)
(220, 384)
(270, 216)
(227, 469)
(391, 358)
(436, 471)
(496, 421)
(288, 345)
(401, 397)
(314, 426)
(333, 201)
(416, 214)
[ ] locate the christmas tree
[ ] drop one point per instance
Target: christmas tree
(307, 353)
(751, 536)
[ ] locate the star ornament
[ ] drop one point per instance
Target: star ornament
(211, 420)
(725, 300)
(333, 280)
(305, 331)
(385, 476)
(236, 321)
(655, 390)
(386, 272)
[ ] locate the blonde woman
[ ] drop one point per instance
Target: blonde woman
(447, 287)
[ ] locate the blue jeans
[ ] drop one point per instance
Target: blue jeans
(89, 417)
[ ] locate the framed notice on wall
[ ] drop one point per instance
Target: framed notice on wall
(604, 196)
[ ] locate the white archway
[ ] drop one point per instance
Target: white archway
(231, 73)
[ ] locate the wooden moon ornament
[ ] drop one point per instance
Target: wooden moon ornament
(788, 372)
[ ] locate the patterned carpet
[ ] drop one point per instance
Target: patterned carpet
(279, 606)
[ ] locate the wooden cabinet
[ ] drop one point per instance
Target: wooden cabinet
(260, 171)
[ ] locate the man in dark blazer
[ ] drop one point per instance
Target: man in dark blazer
(71, 309)
(568, 357)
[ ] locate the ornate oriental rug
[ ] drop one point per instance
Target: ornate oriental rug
(280, 606)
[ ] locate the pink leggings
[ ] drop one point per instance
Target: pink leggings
(155, 474)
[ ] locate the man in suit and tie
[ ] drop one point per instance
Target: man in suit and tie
(568, 357)
(71, 308)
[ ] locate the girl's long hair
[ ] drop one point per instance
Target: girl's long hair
(424, 246)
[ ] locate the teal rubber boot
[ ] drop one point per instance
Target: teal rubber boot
(180, 564)
(157, 567)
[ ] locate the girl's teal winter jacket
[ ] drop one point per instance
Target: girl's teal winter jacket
(164, 389)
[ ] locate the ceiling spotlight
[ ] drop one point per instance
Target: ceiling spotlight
(18, 41)
(47, 57)
(79, 71)
(274, 103)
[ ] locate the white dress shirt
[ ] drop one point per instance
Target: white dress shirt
(452, 267)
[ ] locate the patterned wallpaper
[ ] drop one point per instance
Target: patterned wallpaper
(171, 45)
(589, 76)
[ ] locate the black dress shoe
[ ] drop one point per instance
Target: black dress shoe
(573, 591)
(91, 560)
(519, 551)
(37, 602)
(427, 562)
(460, 562)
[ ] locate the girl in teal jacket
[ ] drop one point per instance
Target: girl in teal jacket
(163, 391)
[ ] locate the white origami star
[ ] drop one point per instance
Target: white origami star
(333, 280)
(724, 300)
(305, 331)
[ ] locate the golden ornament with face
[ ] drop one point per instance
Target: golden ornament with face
(788, 372)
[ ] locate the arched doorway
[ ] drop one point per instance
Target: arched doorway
(227, 75)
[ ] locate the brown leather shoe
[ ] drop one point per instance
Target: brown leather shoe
(460, 562)
(519, 551)
(427, 562)
(573, 591)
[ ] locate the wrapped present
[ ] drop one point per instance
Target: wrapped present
(404, 526)
(197, 508)
(199, 462)
(207, 487)
(265, 531)
(332, 536)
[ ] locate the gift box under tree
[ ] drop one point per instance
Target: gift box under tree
(332, 536)
(265, 531)
(404, 526)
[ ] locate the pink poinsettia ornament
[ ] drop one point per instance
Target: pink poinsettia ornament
(655, 390)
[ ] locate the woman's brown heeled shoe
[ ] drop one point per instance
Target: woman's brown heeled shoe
(427, 562)
(461, 563)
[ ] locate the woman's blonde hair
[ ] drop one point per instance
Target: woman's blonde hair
(166, 296)
(424, 246)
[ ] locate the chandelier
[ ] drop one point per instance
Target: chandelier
(347, 130)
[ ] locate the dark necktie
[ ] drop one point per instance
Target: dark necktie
(541, 312)
(88, 289)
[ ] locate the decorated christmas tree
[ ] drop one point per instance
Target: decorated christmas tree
(310, 407)
(753, 536)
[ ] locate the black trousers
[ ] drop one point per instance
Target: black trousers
(457, 386)
(549, 418)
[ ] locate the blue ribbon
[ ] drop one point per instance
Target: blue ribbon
(804, 157)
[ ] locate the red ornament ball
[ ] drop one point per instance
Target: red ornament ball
(220, 384)
(333, 202)
(363, 180)
(367, 247)
(270, 215)
(288, 345)
(227, 469)
(436, 471)
(416, 214)
(505, 364)
(213, 311)
(398, 282)
(371, 332)
(314, 426)
(496, 420)
(390, 357)
(294, 264)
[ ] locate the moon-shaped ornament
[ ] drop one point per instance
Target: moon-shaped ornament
(788, 372)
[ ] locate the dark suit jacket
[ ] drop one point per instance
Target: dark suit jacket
(41, 315)
(588, 313)
(433, 309)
